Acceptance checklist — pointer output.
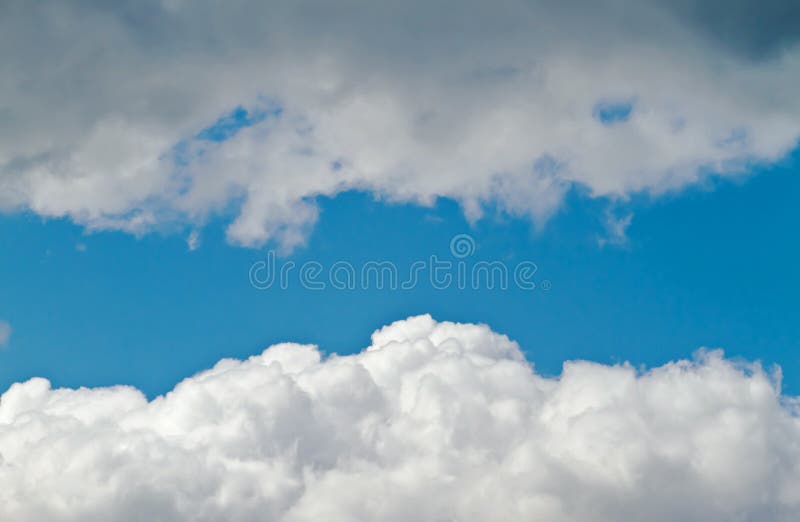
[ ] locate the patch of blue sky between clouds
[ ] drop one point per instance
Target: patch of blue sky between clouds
(610, 112)
(228, 125)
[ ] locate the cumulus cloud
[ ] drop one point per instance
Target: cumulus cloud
(124, 115)
(434, 421)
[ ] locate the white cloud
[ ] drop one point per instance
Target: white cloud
(434, 421)
(616, 232)
(483, 103)
(193, 241)
(5, 333)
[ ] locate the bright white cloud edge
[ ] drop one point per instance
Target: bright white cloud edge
(484, 103)
(434, 421)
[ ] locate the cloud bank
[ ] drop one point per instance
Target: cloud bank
(434, 421)
(148, 114)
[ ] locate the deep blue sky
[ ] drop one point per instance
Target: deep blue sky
(713, 266)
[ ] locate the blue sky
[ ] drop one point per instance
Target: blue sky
(712, 266)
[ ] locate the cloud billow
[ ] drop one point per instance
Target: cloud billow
(433, 421)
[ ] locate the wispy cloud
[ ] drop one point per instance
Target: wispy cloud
(5, 333)
(616, 229)
(193, 240)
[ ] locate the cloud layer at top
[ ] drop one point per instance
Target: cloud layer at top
(434, 421)
(103, 106)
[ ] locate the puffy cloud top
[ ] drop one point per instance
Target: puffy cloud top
(110, 112)
(434, 421)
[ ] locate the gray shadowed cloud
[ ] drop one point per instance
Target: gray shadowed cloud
(103, 106)
(756, 29)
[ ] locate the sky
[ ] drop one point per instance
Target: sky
(590, 209)
(712, 267)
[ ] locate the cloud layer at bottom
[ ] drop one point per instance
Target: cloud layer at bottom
(432, 422)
